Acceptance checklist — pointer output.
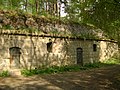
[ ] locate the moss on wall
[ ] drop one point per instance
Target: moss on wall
(28, 23)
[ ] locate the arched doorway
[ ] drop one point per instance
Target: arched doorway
(15, 57)
(80, 56)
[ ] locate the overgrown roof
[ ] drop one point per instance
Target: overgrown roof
(24, 23)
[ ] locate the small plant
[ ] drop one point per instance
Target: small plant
(66, 68)
(26, 72)
(94, 65)
(8, 27)
(112, 61)
(4, 74)
(58, 69)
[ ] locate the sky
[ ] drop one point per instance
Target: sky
(62, 12)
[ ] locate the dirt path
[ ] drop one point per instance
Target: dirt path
(107, 78)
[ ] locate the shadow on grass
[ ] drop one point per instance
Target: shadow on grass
(105, 78)
(94, 79)
(61, 69)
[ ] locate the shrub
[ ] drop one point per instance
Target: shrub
(26, 72)
(112, 61)
(4, 74)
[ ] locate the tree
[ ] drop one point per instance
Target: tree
(32, 6)
(104, 14)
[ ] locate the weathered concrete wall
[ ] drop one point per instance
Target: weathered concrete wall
(34, 51)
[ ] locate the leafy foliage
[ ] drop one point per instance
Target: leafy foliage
(53, 69)
(60, 69)
(33, 6)
(4, 74)
(112, 61)
(104, 14)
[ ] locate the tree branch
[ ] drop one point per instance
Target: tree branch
(117, 1)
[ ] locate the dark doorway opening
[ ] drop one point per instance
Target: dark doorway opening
(80, 56)
(49, 47)
(15, 56)
(94, 47)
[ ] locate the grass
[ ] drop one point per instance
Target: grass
(61, 69)
(112, 61)
(53, 69)
(66, 68)
(69, 68)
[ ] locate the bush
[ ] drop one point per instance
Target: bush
(26, 72)
(112, 61)
(4, 74)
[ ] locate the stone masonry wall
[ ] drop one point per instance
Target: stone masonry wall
(34, 54)
(107, 50)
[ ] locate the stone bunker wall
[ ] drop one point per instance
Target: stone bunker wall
(18, 51)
